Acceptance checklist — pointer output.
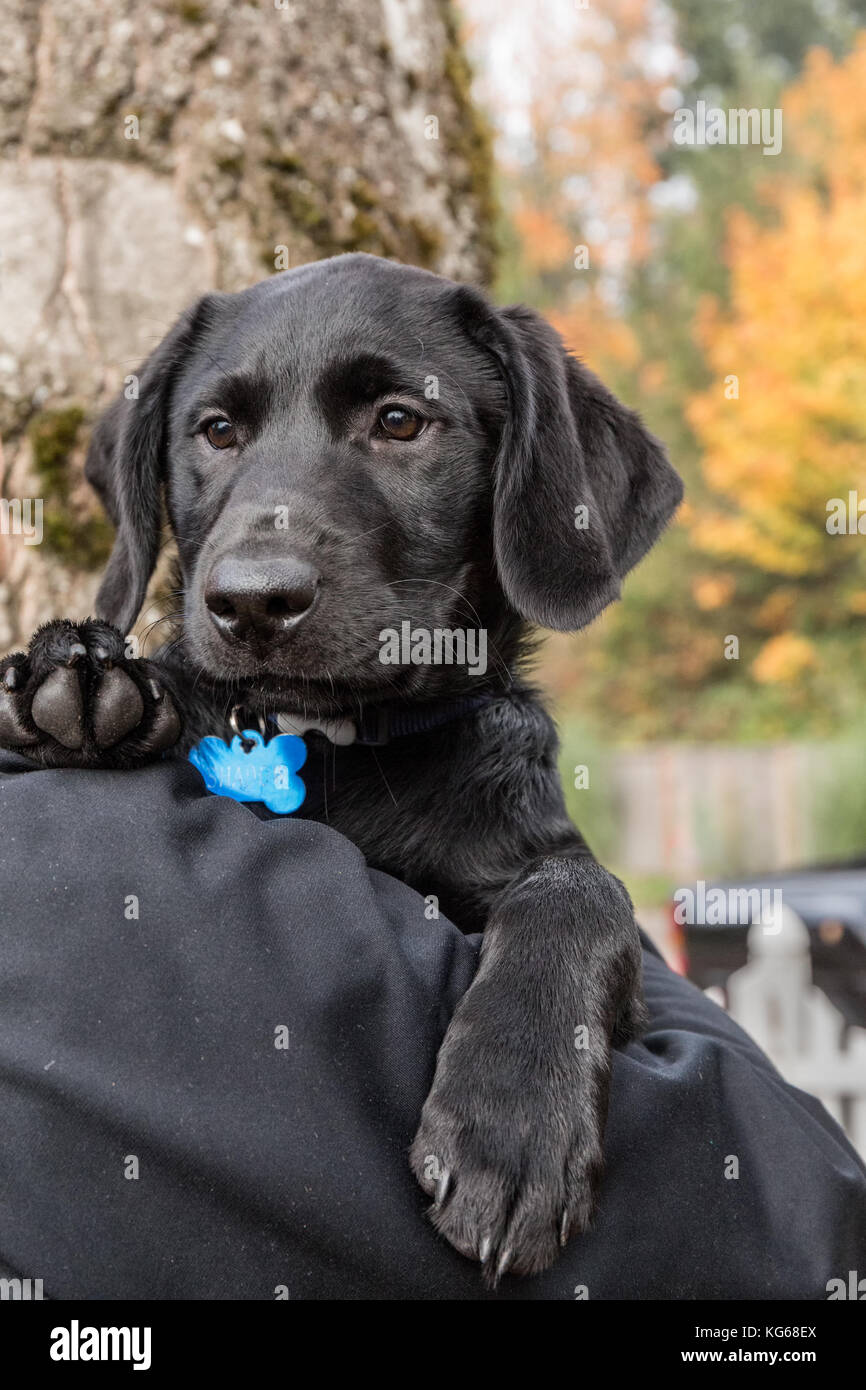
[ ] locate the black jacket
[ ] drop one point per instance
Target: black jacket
(244, 1015)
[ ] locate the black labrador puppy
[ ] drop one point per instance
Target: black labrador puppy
(356, 456)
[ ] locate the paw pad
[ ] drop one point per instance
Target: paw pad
(58, 708)
(117, 709)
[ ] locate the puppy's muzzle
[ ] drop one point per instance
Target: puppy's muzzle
(260, 601)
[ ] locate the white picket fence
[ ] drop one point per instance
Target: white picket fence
(774, 999)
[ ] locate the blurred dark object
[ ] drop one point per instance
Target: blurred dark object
(830, 899)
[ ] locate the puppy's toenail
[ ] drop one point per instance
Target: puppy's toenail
(504, 1262)
(12, 678)
(564, 1229)
(155, 690)
(484, 1250)
(101, 655)
(442, 1187)
(76, 652)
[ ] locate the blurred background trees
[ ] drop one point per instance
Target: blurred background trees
(721, 291)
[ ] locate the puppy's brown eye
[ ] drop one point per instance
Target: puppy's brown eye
(399, 423)
(221, 434)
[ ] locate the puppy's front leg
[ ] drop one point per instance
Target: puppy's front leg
(510, 1142)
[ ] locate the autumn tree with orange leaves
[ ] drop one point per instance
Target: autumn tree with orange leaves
(783, 424)
(722, 294)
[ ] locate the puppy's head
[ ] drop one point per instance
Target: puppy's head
(356, 445)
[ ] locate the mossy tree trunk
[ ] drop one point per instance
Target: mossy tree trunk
(152, 149)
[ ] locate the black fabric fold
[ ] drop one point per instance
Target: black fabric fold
(265, 1169)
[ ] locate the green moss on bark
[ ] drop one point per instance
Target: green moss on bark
(82, 541)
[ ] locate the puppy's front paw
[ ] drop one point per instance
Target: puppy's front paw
(74, 699)
(510, 1141)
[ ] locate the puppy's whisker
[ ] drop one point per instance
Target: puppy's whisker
(503, 667)
(382, 775)
(441, 585)
(349, 540)
(151, 627)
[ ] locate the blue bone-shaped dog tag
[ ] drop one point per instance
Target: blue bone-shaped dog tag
(268, 772)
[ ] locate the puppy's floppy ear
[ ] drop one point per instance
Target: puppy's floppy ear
(126, 465)
(581, 489)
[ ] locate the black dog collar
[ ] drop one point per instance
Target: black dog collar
(379, 724)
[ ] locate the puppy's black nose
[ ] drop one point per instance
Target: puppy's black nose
(260, 600)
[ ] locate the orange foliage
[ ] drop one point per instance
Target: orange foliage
(783, 659)
(711, 591)
(594, 335)
(546, 243)
(783, 426)
(594, 124)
